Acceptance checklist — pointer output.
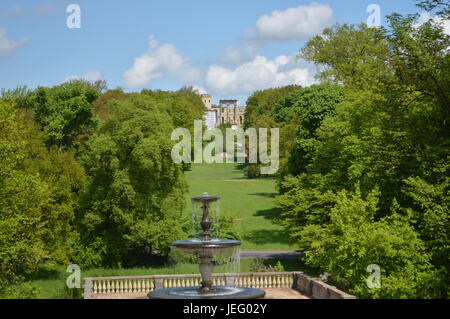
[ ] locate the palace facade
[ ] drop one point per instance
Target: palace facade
(228, 111)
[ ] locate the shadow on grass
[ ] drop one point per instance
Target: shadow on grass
(273, 214)
(264, 236)
(46, 273)
(267, 195)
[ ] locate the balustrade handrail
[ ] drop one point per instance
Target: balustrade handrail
(189, 276)
(143, 284)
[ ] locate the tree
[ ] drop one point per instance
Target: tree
(301, 113)
(442, 7)
(261, 103)
(352, 55)
(37, 200)
(135, 197)
(382, 157)
(64, 111)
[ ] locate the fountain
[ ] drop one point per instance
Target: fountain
(205, 248)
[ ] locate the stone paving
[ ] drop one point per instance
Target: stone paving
(270, 294)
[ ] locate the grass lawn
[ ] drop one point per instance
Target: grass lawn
(249, 201)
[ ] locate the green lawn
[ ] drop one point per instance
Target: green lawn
(249, 201)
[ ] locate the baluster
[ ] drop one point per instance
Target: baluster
(145, 285)
(152, 285)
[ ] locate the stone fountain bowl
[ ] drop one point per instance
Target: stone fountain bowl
(219, 293)
(206, 247)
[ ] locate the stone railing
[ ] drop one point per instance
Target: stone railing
(142, 285)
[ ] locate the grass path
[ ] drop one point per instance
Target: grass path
(249, 201)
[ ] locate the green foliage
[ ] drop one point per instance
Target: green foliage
(227, 228)
(301, 113)
(353, 240)
(260, 265)
(349, 54)
(37, 198)
(374, 185)
(260, 105)
(22, 291)
(442, 7)
(135, 195)
(64, 111)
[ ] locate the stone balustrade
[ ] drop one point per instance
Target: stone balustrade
(96, 286)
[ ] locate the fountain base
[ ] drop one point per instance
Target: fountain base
(218, 293)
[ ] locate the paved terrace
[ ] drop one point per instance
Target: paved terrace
(277, 285)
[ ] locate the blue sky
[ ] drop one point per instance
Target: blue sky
(226, 48)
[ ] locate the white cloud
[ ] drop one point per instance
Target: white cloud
(425, 17)
(158, 61)
(91, 76)
(200, 89)
(259, 73)
(292, 24)
(7, 47)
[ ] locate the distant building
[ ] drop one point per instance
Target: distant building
(228, 111)
(211, 118)
(206, 98)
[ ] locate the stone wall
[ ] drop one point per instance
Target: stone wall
(317, 289)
